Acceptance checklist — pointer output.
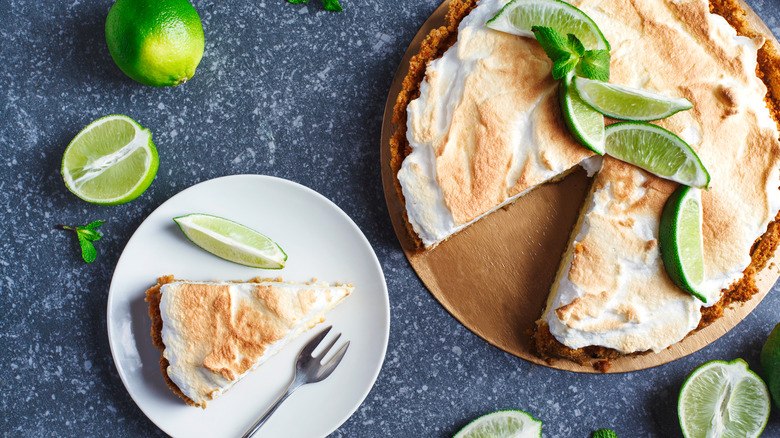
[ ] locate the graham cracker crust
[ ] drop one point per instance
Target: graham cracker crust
(547, 347)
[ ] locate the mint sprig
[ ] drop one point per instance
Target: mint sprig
(86, 235)
(568, 53)
(329, 5)
(604, 433)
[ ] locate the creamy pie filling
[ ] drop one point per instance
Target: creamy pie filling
(214, 333)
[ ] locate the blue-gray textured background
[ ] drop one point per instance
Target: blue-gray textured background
(284, 90)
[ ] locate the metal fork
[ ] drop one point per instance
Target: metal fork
(308, 369)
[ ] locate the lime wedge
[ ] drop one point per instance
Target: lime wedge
(627, 103)
(585, 124)
(723, 399)
(232, 241)
(111, 161)
(680, 240)
(657, 151)
(518, 16)
(503, 424)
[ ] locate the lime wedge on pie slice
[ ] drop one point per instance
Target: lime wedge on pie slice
(111, 161)
(723, 399)
(518, 16)
(681, 242)
(584, 123)
(232, 241)
(657, 151)
(627, 103)
(503, 424)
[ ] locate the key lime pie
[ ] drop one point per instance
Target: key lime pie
(480, 126)
(211, 334)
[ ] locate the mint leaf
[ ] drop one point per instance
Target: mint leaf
(297, 2)
(93, 225)
(595, 65)
(604, 433)
(332, 5)
(558, 49)
(568, 53)
(561, 69)
(88, 252)
(575, 45)
(90, 235)
(86, 235)
(553, 43)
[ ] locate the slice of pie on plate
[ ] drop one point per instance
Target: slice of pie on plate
(479, 126)
(211, 334)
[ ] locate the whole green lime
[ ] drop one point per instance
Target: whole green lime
(155, 42)
(770, 363)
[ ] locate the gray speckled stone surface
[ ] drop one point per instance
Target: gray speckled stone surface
(285, 90)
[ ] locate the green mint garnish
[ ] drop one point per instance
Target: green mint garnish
(604, 433)
(329, 5)
(568, 53)
(86, 235)
(332, 5)
(595, 65)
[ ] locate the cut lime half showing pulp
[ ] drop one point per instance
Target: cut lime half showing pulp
(503, 424)
(626, 103)
(657, 151)
(111, 161)
(518, 16)
(584, 123)
(680, 240)
(723, 399)
(232, 241)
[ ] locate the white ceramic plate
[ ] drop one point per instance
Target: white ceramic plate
(321, 241)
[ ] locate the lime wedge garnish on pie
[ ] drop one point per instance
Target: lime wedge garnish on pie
(680, 240)
(657, 151)
(585, 124)
(111, 161)
(626, 103)
(232, 241)
(519, 16)
(723, 399)
(503, 424)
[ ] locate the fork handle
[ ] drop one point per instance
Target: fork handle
(261, 421)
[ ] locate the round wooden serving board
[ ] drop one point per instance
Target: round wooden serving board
(495, 275)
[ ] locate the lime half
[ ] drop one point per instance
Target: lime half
(585, 124)
(680, 240)
(770, 363)
(232, 241)
(657, 151)
(518, 16)
(723, 399)
(628, 103)
(111, 161)
(503, 424)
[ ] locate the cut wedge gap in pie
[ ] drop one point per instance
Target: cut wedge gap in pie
(479, 126)
(211, 334)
